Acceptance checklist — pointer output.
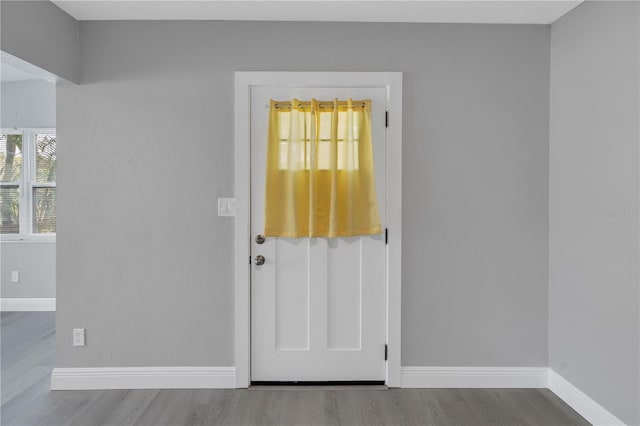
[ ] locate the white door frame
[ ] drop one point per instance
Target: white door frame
(244, 81)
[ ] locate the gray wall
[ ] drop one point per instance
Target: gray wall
(40, 33)
(144, 263)
(36, 262)
(30, 103)
(593, 293)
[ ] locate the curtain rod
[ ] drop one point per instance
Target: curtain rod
(307, 104)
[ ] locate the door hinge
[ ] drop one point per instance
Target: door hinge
(386, 235)
(386, 352)
(386, 119)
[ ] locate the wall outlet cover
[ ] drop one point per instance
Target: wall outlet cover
(226, 206)
(78, 337)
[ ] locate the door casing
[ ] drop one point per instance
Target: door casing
(244, 82)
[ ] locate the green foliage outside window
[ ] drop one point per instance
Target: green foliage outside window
(11, 171)
(44, 198)
(41, 179)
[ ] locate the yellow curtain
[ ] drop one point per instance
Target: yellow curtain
(320, 180)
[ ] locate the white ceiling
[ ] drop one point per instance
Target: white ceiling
(454, 11)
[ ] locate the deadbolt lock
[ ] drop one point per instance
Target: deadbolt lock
(260, 239)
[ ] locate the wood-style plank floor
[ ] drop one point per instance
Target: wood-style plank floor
(28, 357)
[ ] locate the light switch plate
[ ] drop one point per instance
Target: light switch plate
(226, 206)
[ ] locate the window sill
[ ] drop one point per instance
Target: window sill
(28, 238)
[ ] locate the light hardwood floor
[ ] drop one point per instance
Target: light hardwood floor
(28, 357)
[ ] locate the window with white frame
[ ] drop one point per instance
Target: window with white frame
(27, 183)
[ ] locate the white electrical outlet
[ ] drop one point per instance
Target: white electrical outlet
(226, 206)
(78, 337)
(15, 276)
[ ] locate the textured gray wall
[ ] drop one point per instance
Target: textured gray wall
(144, 263)
(593, 293)
(28, 104)
(40, 33)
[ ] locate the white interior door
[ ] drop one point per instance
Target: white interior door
(317, 304)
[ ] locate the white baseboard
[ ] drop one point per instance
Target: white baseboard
(27, 304)
(412, 377)
(143, 378)
(509, 377)
(595, 414)
(474, 377)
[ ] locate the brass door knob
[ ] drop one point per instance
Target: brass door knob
(260, 260)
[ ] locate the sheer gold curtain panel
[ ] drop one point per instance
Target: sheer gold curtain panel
(320, 178)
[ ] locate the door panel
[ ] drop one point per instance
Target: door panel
(317, 304)
(291, 287)
(344, 294)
